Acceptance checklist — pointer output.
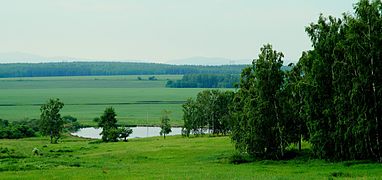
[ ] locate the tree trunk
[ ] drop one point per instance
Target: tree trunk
(374, 94)
(51, 137)
(280, 130)
(299, 143)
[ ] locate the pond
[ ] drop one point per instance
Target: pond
(138, 132)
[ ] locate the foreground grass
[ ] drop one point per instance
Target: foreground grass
(156, 158)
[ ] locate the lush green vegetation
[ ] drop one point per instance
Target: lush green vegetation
(336, 90)
(110, 130)
(136, 101)
(165, 124)
(18, 129)
(155, 158)
(109, 68)
(331, 99)
(205, 81)
(51, 122)
(208, 112)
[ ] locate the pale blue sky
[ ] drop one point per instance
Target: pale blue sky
(160, 30)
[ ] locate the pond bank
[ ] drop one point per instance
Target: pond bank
(138, 132)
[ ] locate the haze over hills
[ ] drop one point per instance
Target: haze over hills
(21, 57)
(199, 60)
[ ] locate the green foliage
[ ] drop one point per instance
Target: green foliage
(110, 131)
(18, 129)
(108, 123)
(124, 132)
(152, 78)
(259, 123)
(165, 124)
(332, 97)
(292, 102)
(51, 123)
(208, 111)
(205, 81)
(190, 117)
(69, 119)
(343, 84)
(71, 124)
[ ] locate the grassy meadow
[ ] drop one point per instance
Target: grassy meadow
(137, 102)
(155, 158)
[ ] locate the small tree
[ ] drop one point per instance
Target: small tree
(51, 123)
(108, 122)
(152, 78)
(125, 132)
(165, 124)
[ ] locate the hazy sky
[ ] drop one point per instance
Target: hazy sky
(160, 30)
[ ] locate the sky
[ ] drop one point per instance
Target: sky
(160, 30)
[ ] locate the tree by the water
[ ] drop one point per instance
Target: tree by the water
(125, 132)
(51, 123)
(210, 111)
(165, 124)
(108, 122)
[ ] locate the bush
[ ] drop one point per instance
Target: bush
(18, 129)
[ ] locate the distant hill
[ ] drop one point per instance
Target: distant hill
(109, 68)
(11, 57)
(208, 61)
(21, 57)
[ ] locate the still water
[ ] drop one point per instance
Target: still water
(138, 132)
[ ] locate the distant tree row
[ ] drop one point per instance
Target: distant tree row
(205, 81)
(109, 68)
(209, 112)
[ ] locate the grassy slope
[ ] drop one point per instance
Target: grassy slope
(153, 158)
(87, 97)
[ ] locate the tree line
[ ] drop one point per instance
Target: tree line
(109, 68)
(207, 113)
(330, 98)
(205, 81)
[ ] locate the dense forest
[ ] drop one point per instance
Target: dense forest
(331, 98)
(205, 81)
(109, 68)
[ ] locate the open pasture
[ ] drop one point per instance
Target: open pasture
(137, 102)
(155, 158)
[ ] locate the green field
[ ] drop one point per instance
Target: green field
(155, 158)
(136, 102)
